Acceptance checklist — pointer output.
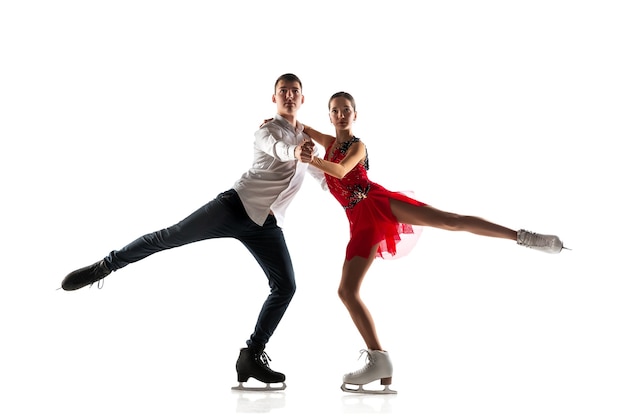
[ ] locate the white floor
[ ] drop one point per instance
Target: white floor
(162, 336)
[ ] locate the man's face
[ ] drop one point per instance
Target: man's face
(288, 97)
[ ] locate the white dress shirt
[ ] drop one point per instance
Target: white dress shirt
(276, 175)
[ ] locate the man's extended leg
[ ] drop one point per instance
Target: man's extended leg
(220, 217)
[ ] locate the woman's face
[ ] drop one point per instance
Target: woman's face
(341, 113)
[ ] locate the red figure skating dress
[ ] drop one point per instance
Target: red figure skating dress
(369, 212)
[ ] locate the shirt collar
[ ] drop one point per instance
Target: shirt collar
(299, 126)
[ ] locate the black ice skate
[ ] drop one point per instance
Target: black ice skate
(256, 365)
(85, 276)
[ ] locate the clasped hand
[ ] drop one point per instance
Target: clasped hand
(304, 151)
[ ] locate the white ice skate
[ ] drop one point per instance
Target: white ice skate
(377, 366)
(545, 243)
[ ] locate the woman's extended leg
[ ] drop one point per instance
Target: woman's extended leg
(430, 216)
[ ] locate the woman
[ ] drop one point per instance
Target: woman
(379, 220)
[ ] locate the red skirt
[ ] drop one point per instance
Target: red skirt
(372, 222)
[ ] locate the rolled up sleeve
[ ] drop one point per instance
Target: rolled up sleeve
(267, 142)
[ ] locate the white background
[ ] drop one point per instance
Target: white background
(118, 118)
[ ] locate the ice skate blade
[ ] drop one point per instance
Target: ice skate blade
(268, 387)
(361, 390)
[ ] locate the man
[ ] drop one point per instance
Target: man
(253, 212)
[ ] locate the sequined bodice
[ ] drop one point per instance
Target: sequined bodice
(355, 184)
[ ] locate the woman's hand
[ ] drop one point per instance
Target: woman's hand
(266, 121)
(304, 151)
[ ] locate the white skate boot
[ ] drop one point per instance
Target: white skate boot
(545, 243)
(377, 366)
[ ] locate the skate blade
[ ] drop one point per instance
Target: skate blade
(361, 390)
(268, 387)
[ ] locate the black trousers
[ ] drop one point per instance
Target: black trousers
(225, 216)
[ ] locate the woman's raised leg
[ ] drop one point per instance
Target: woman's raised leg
(430, 216)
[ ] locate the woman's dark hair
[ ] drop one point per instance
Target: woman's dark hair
(344, 95)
